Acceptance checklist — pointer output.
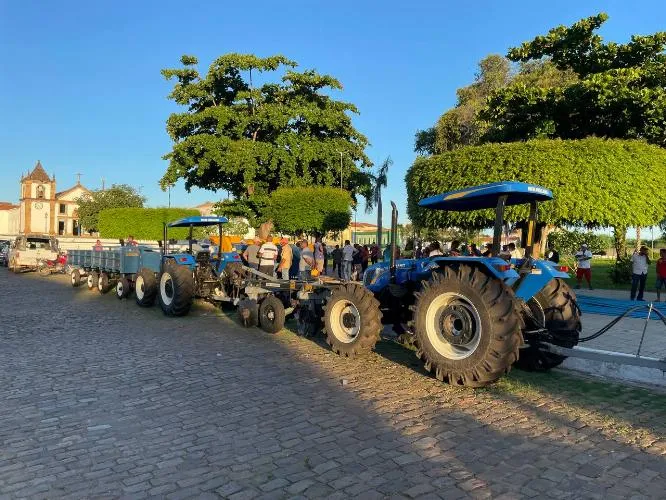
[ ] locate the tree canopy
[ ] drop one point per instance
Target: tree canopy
(117, 196)
(596, 182)
(463, 124)
(619, 92)
(310, 210)
(251, 139)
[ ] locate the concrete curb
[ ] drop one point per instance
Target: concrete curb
(616, 371)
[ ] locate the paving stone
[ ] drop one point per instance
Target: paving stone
(102, 399)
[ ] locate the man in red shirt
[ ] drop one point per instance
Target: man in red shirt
(661, 272)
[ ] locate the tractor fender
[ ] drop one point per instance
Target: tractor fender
(181, 259)
(536, 280)
(494, 266)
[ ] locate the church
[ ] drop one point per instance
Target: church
(42, 209)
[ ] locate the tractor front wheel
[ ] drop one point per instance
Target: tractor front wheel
(467, 331)
(176, 290)
(553, 308)
(352, 319)
(145, 288)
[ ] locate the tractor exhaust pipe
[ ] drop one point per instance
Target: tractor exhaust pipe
(394, 243)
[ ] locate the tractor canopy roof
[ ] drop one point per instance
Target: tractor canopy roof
(199, 220)
(486, 196)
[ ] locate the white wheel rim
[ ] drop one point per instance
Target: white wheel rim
(119, 289)
(138, 287)
(453, 326)
(345, 321)
(73, 278)
(166, 284)
(90, 281)
(100, 283)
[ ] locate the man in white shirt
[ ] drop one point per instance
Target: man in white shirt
(347, 258)
(584, 259)
(267, 255)
(639, 269)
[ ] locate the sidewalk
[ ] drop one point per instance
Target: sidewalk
(625, 336)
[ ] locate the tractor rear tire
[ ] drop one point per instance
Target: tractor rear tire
(75, 278)
(103, 283)
(271, 314)
(145, 288)
(248, 313)
(176, 290)
(352, 320)
(123, 288)
(93, 278)
(467, 330)
(560, 315)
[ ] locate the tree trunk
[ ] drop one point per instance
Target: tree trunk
(638, 238)
(541, 248)
(620, 241)
(379, 221)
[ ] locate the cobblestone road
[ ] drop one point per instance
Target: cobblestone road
(99, 398)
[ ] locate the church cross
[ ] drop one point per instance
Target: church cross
(78, 178)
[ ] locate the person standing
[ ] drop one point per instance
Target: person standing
(584, 259)
(374, 253)
(357, 262)
(307, 261)
(319, 255)
(251, 254)
(98, 246)
(285, 259)
(337, 260)
(639, 269)
(347, 258)
(365, 257)
(323, 245)
(661, 273)
(267, 255)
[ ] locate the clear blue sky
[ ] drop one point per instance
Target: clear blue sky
(81, 90)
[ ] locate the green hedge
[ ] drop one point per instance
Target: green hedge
(142, 223)
(596, 182)
(310, 209)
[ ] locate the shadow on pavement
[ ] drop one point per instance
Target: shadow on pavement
(101, 397)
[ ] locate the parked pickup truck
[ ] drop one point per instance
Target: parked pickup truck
(26, 250)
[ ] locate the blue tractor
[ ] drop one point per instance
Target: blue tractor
(194, 272)
(472, 318)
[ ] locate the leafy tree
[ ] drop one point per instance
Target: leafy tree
(252, 139)
(567, 242)
(619, 92)
(379, 181)
(593, 181)
(117, 196)
(310, 210)
(463, 125)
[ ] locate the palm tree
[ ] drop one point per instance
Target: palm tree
(379, 181)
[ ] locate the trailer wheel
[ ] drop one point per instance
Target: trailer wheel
(176, 290)
(75, 277)
(123, 288)
(248, 313)
(93, 278)
(555, 309)
(466, 327)
(352, 319)
(103, 283)
(145, 288)
(271, 314)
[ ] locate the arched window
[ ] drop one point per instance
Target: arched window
(40, 191)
